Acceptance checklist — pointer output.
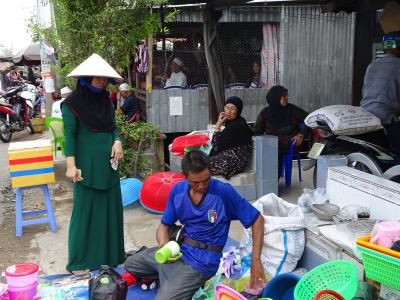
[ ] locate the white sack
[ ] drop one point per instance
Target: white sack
(345, 119)
(283, 235)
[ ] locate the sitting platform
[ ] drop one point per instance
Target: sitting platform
(259, 178)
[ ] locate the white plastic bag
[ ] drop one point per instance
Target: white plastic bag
(344, 119)
(310, 197)
(283, 235)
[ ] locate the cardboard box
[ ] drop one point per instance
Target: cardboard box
(38, 124)
(31, 163)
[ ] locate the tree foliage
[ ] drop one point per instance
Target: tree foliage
(110, 28)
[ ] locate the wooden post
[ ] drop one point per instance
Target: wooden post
(149, 74)
(129, 72)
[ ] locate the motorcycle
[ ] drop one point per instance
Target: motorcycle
(361, 154)
(16, 110)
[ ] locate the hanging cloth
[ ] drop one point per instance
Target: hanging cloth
(141, 65)
(269, 56)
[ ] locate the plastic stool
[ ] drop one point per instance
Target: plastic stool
(19, 214)
(287, 163)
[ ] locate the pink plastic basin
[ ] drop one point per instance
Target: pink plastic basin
(22, 275)
(3, 292)
(23, 293)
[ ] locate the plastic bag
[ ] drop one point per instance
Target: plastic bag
(305, 201)
(353, 212)
(107, 285)
(310, 197)
(208, 291)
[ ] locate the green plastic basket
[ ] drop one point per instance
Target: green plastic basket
(381, 267)
(338, 275)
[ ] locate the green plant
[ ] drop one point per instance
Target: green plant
(136, 138)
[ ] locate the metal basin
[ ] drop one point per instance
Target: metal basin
(325, 211)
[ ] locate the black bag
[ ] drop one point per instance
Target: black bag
(107, 285)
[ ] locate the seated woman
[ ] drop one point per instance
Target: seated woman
(231, 147)
(283, 120)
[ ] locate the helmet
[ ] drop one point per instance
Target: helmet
(391, 40)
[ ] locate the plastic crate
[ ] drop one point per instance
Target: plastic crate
(365, 242)
(381, 267)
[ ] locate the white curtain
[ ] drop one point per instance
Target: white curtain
(269, 56)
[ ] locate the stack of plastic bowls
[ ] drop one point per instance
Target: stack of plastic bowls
(22, 280)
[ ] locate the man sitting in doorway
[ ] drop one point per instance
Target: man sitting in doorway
(205, 207)
(56, 108)
(177, 78)
(131, 104)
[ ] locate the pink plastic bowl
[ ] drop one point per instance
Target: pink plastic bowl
(23, 293)
(3, 292)
(22, 275)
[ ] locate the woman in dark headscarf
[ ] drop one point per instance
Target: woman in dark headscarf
(283, 120)
(231, 147)
(91, 138)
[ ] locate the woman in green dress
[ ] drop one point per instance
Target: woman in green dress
(91, 142)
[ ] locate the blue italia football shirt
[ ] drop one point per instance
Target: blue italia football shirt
(207, 222)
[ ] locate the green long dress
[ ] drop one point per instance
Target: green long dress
(96, 227)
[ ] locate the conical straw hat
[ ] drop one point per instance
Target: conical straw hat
(390, 18)
(95, 66)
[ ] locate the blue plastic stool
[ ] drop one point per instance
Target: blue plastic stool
(287, 164)
(19, 214)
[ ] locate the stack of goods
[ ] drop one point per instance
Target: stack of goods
(22, 281)
(381, 253)
(67, 287)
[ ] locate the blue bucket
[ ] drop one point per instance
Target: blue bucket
(281, 287)
(130, 190)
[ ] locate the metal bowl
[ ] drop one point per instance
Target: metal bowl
(325, 211)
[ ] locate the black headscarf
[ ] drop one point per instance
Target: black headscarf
(237, 102)
(277, 115)
(236, 132)
(92, 106)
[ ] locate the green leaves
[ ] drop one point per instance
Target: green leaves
(110, 28)
(137, 137)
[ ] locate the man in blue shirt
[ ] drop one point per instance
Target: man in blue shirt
(205, 207)
(381, 90)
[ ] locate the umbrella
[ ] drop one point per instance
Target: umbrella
(30, 55)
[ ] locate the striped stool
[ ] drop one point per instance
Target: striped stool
(19, 214)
